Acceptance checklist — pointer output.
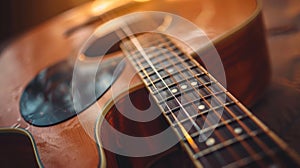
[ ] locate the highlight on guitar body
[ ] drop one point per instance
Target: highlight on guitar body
(140, 84)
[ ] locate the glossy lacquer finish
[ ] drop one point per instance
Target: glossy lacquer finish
(234, 26)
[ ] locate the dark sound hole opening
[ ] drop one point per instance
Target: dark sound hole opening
(47, 99)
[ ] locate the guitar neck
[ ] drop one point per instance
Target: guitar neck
(214, 127)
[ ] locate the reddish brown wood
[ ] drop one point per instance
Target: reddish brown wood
(247, 66)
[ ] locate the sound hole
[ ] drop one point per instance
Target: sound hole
(47, 100)
(16, 150)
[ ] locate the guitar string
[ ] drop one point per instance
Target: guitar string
(217, 132)
(258, 141)
(187, 136)
(202, 97)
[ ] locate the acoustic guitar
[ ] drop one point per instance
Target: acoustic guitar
(35, 88)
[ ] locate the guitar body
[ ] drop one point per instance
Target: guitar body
(235, 28)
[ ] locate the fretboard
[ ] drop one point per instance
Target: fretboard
(215, 128)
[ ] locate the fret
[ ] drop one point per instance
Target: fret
(247, 160)
(167, 60)
(220, 126)
(198, 115)
(235, 109)
(166, 95)
(265, 156)
(209, 157)
(201, 117)
(156, 55)
(227, 143)
(200, 88)
(147, 69)
(168, 69)
(174, 73)
(154, 42)
(251, 161)
(212, 125)
(194, 100)
(169, 45)
(164, 74)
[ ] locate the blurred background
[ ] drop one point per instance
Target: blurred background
(20, 15)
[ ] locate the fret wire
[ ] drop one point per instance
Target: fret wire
(190, 140)
(228, 126)
(166, 67)
(247, 160)
(180, 82)
(205, 112)
(220, 125)
(227, 143)
(183, 80)
(188, 103)
(169, 66)
(259, 142)
(158, 61)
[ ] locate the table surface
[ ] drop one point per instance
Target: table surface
(279, 108)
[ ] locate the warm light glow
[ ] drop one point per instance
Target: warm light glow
(141, 0)
(81, 57)
(99, 6)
